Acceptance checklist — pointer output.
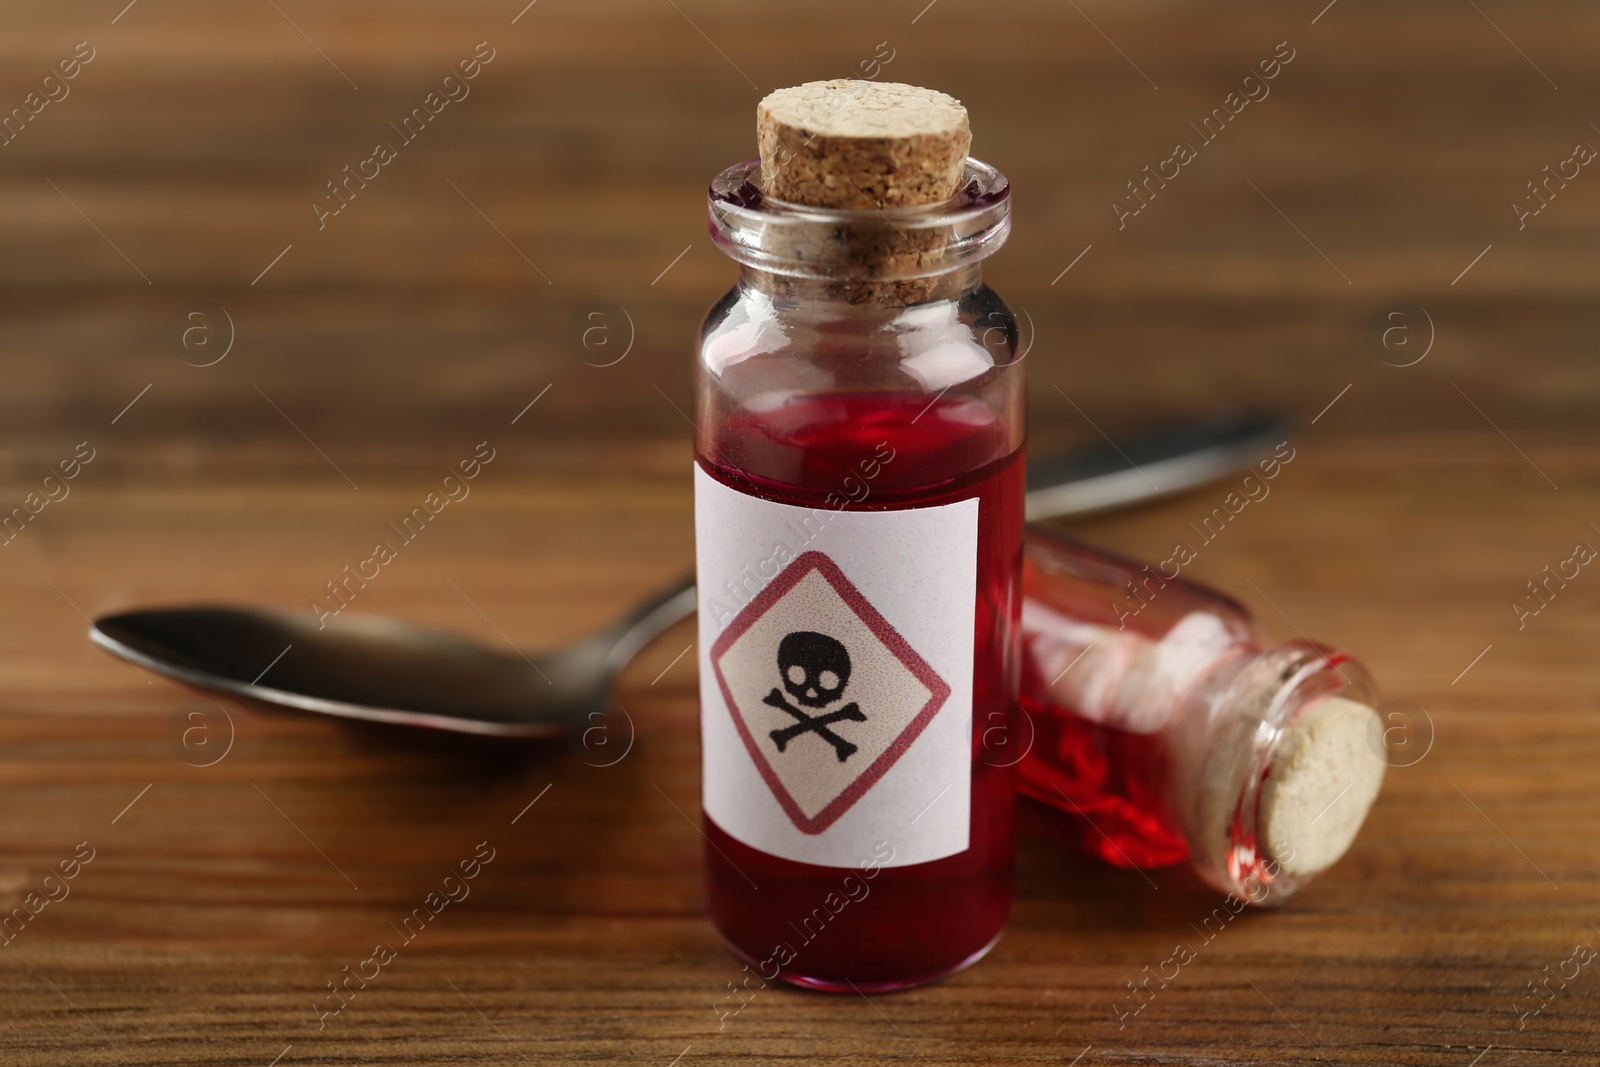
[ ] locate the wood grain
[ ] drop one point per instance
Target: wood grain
(381, 350)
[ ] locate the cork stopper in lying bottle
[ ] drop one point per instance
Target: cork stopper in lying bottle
(1323, 780)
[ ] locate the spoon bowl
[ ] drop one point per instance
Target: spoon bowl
(384, 670)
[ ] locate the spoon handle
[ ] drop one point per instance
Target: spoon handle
(1137, 470)
(655, 616)
(1070, 484)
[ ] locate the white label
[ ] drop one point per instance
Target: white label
(836, 675)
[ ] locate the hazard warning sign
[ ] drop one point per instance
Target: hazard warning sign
(824, 692)
(836, 655)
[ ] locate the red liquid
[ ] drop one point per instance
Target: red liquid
(922, 921)
(1108, 781)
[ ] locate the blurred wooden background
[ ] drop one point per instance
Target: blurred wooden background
(1378, 175)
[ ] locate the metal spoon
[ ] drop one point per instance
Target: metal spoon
(369, 667)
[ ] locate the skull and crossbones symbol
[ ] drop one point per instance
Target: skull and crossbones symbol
(815, 669)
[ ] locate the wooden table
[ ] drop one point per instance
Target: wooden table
(377, 352)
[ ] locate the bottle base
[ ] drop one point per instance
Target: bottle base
(845, 985)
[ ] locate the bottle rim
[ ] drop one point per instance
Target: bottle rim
(886, 244)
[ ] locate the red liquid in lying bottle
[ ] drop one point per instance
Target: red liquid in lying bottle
(1108, 780)
(891, 926)
(1111, 782)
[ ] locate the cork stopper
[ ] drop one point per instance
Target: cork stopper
(864, 147)
(1323, 781)
(861, 144)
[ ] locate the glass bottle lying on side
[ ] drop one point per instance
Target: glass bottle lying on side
(1167, 730)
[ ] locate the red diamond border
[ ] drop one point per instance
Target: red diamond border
(938, 688)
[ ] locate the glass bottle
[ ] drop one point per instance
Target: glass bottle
(859, 404)
(1167, 730)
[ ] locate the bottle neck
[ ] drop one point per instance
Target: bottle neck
(948, 285)
(896, 256)
(1229, 750)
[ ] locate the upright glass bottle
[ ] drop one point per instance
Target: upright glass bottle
(1168, 730)
(859, 403)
